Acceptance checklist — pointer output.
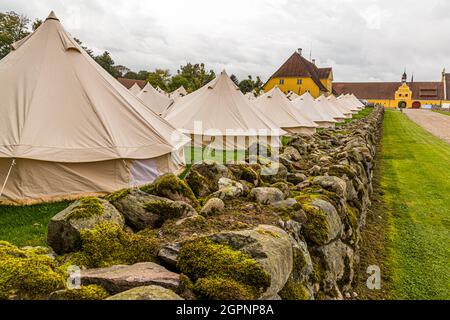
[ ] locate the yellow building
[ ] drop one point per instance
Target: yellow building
(400, 94)
(299, 75)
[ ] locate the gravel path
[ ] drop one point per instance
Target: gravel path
(435, 123)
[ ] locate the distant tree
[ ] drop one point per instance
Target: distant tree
(234, 79)
(107, 63)
(88, 51)
(249, 85)
(36, 24)
(159, 78)
(13, 27)
(142, 75)
(122, 70)
(177, 81)
(130, 75)
(196, 76)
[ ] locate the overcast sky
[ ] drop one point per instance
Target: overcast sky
(363, 40)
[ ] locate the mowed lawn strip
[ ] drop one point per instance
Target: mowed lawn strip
(416, 185)
(27, 225)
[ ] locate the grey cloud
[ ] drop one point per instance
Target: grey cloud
(362, 40)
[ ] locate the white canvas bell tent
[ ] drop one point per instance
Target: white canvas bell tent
(178, 93)
(330, 109)
(356, 102)
(68, 128)
(155, 100)
(292, 95)
(275, 105)
(347, 103)
(308, 107)
(219, 116)
(340, 106)
(135, 89)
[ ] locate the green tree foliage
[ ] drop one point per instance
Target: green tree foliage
(108, 64)
(234, 79)
(13, 27)
(159, 78)
(195, 76)
(89, 51)
(36, 24)
(249, 85)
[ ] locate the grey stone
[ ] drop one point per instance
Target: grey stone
(64, 229)
(267, 195)
(146, 293)
(120, 278)
(213, 206)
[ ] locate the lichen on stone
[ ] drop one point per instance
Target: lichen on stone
(90, 292)
(294, 291)
(202, 258)
(87, 208)
(120, 194)
(107, 244)
(216, 288)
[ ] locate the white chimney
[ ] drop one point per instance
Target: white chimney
(299, 50)
(314, 61)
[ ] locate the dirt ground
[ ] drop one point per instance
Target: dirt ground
(435, 123)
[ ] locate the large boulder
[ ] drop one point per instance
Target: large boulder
(142, 210)
(335, 261)
(267, 195)
(146, 293)
(332, 183)
(171, 187)
(228, 189)
(120, 278)
(204, 177)
(291, 153)
(323, 223)
(268, 245)
(245, 171)
(65, 227)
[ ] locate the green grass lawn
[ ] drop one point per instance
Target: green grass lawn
(361, 114)
(447, 113)
(27, 225)
(195, 155)
(416, 187)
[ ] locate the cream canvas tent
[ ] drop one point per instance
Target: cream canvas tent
(308, 107)
(154, 99)
(347, 103)
(292, 95)
(276, 106)
(326, 107)
(356, 102)
(178, 93)
(161, 91)
(219, 116)
(135, 89)
(68, 128)
(340, 106)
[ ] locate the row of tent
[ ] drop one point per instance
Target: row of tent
(219, 116)
(69, 129)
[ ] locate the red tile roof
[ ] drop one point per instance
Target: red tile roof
(386, 90)
(128, 83)
(324, 73)
(297, 66)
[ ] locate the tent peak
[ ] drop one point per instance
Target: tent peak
(52, 16)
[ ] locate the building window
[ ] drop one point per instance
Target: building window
(299, 81)
(281, 81)
(406, 95)
(400, 95)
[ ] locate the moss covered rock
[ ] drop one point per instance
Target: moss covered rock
(146, 293)
(213, 206)
(91, 292)
(204, 259)
(269, 246)
(204, 177)
(27, 274)
(171, 187)
(64, 229)
(108, 244)
(266, 195)
(216, 288)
